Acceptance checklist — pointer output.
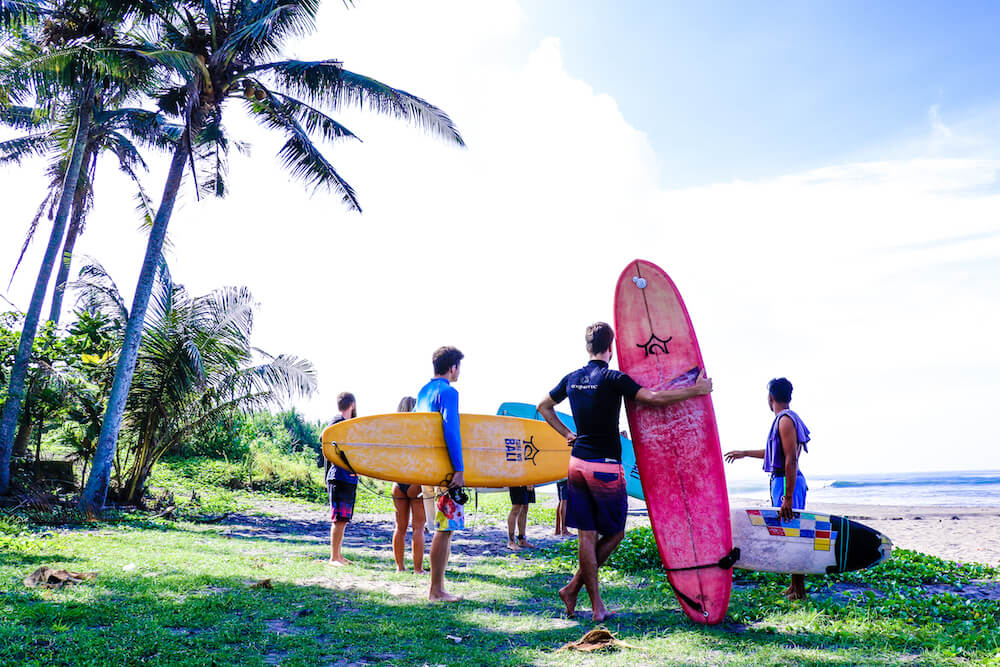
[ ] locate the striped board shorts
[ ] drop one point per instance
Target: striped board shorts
(596, 498)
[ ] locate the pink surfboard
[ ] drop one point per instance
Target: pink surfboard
(676, 447)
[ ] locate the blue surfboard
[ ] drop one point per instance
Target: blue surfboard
(527, 411)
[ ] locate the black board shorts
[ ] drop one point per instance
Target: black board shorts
(521, 495)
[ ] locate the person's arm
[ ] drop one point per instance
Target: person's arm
(790, 445)
(546, 408)
(453, 436)
(741, 453)
(701, 387)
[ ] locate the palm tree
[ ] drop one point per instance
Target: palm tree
(115, 131)
(195, 365)
(234, 45)
(65, 61)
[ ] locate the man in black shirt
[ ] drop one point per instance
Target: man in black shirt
(597, 504)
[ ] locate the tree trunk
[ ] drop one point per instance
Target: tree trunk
(75, 223)
(23, 436)
(96, 492)
(19, 372)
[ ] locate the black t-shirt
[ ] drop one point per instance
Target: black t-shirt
(595, 395)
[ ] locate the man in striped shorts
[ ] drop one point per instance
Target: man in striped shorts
(597, 504)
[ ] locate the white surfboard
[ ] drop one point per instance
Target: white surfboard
(811, 543)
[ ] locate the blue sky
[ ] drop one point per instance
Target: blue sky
(746, 90)
(820, 181)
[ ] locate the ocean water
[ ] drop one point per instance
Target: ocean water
(965, 488)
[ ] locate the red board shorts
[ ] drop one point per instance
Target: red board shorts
(596, 498)
(342, 496)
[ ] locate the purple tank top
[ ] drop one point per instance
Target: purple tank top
(774, 454)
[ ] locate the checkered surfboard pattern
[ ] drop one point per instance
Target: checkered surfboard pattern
(805, 525)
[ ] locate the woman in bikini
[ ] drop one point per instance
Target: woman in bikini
(408, 499)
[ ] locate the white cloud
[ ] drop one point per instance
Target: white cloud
(872, 286)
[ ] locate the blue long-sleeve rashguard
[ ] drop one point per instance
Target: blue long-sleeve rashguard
(439, 396)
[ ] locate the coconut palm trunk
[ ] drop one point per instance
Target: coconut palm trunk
(19, 371)
(95, 494)
(72, 232)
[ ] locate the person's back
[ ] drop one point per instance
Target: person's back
(595, 394)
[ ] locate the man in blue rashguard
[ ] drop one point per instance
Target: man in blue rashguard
(439, 396)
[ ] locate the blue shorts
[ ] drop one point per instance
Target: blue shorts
(778, 492)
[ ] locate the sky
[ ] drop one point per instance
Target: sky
(819, 180)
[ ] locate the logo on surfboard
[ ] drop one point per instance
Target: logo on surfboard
(655, 345)
(521, 450)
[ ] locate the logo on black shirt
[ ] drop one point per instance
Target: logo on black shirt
(655, 345)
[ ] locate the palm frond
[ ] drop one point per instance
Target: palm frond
(327, 82)
(128, 155)
(49, 200)
(148, 127)
(21, 148)
(14, 13)
(313, 120)
(23, 117)
(299, 155)
(97, 293)
(265, 26)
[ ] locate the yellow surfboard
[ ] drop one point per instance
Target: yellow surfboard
(409, 447)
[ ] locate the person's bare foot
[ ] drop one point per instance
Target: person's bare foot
(569, 599)
(400, 569)
(420, 571)
(442, 596)
(341, 562)
(566, 533)
(525, 544)
(601, 616)
(512, 545)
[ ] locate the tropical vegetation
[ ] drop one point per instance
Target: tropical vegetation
(79, 78)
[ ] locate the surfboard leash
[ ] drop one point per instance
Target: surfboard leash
(725, 563)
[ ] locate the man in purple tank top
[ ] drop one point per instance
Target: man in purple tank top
(786, 440)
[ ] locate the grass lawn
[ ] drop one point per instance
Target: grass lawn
(182, 593)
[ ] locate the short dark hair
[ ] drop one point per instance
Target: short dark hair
(600, 335)
(446, 357)
(345, 400)
(780, 390)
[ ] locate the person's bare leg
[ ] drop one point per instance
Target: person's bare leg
(562, 514)
(512, 525)
(429, 509)
(604, 547)
(522, 527)
(402, 506)
(797, 591)
(440, 551)
(417, 510)
(336, 540)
